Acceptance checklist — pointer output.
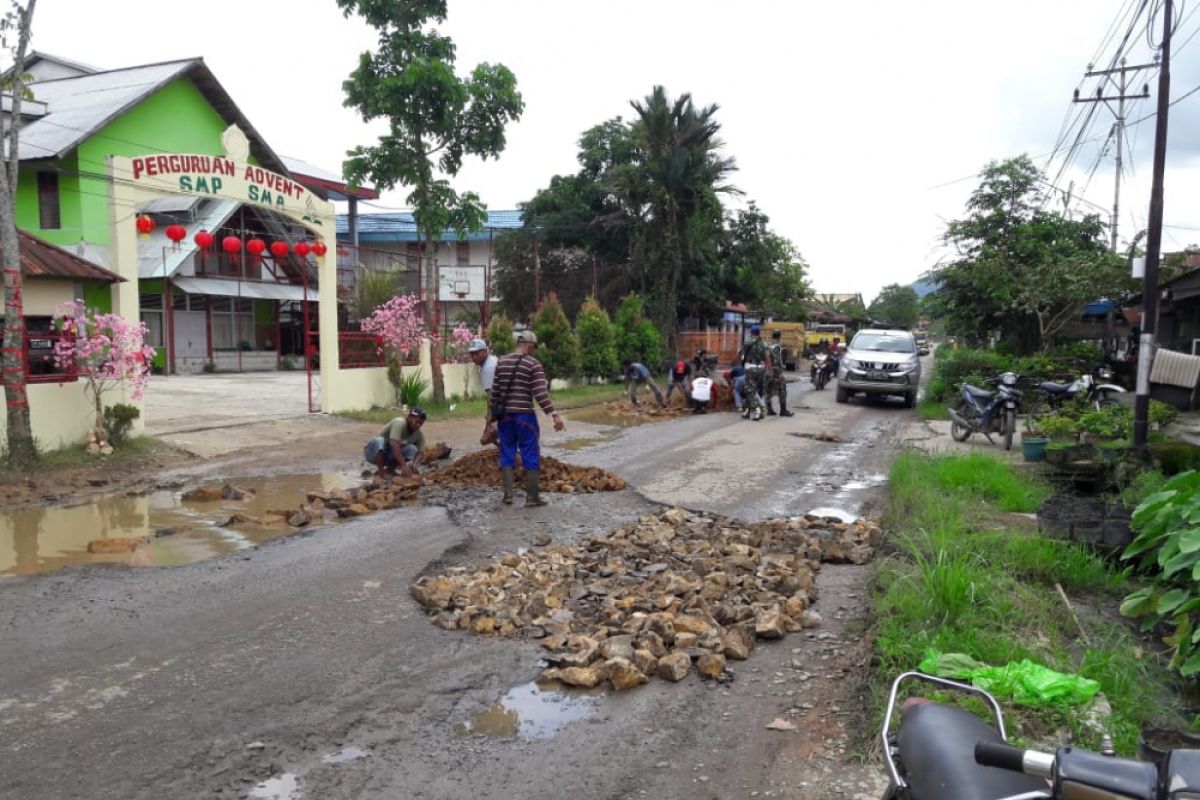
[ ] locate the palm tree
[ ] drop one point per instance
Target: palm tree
(682, 168)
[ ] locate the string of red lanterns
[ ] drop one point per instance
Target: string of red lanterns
(232, 245)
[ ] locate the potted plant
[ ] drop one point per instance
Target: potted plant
(1063, 433)
(1033, 442)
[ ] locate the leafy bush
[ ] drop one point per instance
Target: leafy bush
(1057, 427)
(118, 421)
(953, 367)
(1141, 486)
(1168, 545)
(500, 337)
(558, 347)
(412, 387)
(1114, 422)
(210, 367)
(597, 341)
(637, 338)
(1162, 414)
(288, 362)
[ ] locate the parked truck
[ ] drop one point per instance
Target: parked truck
(826, 331)
(792, 339)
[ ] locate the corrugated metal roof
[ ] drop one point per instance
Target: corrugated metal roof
(78, 107)
(157, 259)
(399, 227)
(41, 259)
(253, 289)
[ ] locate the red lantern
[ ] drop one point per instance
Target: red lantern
(203, 240)
(144, 226)
(319, 249)
(279, 249)
(176, 233)
(232, 245)
(302, 249)
(255, 248)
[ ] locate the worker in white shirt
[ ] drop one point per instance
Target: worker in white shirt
(702, 386)
(481, 357)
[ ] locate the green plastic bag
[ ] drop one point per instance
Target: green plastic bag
(1024, 682)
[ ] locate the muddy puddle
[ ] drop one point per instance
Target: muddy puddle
(176, 531)
(285, 787)
(599, 415)
(531, 711)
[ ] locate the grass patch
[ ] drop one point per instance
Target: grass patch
(476, 407)
(961, 582)
(135, 448)
(932, 409)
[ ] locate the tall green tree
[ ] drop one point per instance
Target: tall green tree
(500, 338)
(597, 341)
(896, 305)
(558, 347)
(1020, 268)
(761, 268)
(638, 338)
(684, 171)
(21, 450)
(435, 119)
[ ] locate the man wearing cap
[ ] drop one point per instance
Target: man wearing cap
(520, 381)
(399, 445)
(480, 357)
(755, 359)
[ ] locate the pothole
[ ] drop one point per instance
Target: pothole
(350, 753)
(531, 712)
(155, 529)
(283, 787)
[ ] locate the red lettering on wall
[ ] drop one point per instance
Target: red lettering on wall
(139, 166)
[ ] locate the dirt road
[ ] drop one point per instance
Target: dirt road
(302, 669)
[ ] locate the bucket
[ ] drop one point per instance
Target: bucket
(1034, 449)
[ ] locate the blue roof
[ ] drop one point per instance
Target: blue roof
(399, 227)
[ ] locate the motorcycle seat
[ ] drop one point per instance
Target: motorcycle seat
(1054, 388)
(982, 394)
(937, 747)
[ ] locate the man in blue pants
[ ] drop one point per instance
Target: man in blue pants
(520, 381)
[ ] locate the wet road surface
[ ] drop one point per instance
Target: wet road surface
(302, 668)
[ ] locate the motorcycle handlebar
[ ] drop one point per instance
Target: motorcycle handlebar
(998, 754)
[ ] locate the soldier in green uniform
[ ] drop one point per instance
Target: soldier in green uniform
(755, 360)
(776, 385)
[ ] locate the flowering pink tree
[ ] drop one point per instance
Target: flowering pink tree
(460, 339)
(399, 327)
(104, 349)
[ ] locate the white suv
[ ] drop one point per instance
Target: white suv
(880, 362)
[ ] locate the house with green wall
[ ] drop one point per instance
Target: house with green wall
(202, 306)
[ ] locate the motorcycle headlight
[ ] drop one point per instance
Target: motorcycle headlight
(1008, 379)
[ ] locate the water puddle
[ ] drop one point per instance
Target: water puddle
(585, 442)
(864, 482)
(599, 415)
(168, 530)
(837, 513)
(350, 753)
(285, 787)
(530, 712)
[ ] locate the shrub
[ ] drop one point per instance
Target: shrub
(1114, 422)
(1162, 414)
(118, 420)
(1057, 427)
(288, 362)
(210, 367)
(558, 347)
(412, 387)
(597, 341)
(637, 337)
(500, 337)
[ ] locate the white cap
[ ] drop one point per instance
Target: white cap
(477, 345)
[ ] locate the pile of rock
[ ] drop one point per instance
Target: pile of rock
(660, 596)
(483, 469)
(377, 495)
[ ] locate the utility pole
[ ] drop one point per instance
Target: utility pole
(1141, 406)
(1121, 84)
(537, 276)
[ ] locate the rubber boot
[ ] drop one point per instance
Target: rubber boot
(506, 475)
(746, 413)
(770, 408)
(783, 411)
(758, 414)
(532, 497)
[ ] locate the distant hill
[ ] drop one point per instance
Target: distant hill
(924, 286)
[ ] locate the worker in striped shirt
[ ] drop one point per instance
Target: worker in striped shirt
(520, 381)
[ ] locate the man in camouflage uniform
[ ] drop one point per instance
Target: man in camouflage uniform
(775, 380)
(755, 358)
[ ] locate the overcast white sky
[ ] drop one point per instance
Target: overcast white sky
(841, 115)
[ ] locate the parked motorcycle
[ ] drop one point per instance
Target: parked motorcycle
(824, 367)
(988, 412)
(942, 751)
(1098, 392)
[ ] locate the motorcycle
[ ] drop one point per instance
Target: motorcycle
(942, 751)
(824, 367)
(1053, 396)
(987, 412)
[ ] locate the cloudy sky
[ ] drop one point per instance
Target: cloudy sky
(853, 123)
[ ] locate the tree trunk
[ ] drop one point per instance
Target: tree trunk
(21, 449)
(433, 308)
